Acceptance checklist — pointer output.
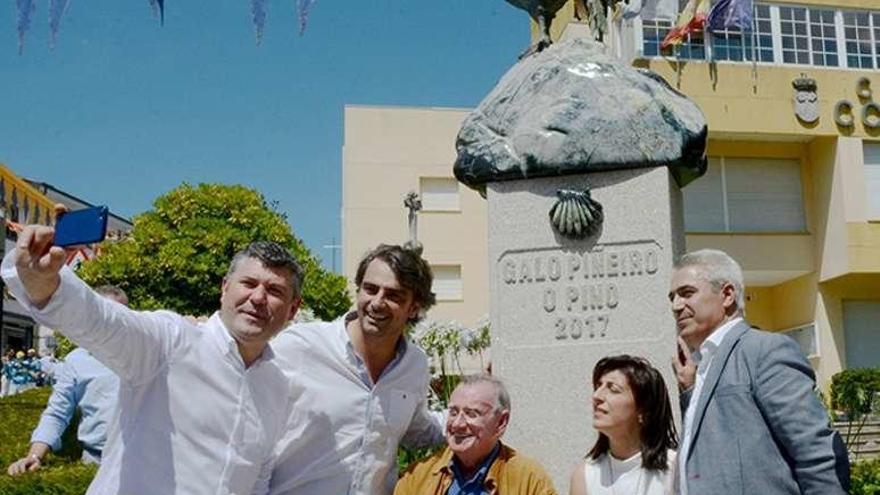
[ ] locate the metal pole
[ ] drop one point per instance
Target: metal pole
(2, 286)
(333, 248)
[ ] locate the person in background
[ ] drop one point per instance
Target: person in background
(634, 453)
(48, 365)
(83, 384)
(5, 371)
(20, 373)
(32, 362)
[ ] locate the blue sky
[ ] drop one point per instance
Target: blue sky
(124, 109)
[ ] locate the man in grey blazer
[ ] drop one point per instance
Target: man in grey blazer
(751, 423)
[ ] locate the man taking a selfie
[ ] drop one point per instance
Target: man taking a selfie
(200, 407)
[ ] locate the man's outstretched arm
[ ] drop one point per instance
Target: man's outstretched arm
(132, 344)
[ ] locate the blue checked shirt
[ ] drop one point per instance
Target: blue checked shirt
(473, 486)
(81, 382)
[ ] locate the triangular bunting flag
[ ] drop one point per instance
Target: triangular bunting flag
(57, 8)
(25, 10)
(258, 16)
(302, 11)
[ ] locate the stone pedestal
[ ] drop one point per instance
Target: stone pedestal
(559, 305)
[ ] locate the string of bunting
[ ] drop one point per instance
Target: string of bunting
(25, 10)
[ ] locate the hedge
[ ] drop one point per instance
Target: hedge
(62, 473)
(866, 478)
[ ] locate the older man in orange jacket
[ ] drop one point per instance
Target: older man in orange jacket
(475, 461)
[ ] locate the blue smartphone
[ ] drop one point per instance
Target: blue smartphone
(84, 226)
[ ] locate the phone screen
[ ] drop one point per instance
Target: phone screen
(84, 226)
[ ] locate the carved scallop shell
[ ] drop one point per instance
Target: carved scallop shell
(575, 214)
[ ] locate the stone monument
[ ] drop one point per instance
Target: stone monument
(581, 158)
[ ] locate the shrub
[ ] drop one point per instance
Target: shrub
(855, 392)
(62, 473)
(64, 479)
(866, 478)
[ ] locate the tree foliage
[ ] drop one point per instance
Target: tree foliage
(178, 253)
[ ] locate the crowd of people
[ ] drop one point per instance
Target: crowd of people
(24, 370)
(246, 403)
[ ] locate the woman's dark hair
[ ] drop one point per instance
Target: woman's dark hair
(652, 402)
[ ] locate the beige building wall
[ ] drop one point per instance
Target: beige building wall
(388, 152)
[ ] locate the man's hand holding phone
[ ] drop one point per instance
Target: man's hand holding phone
(38, 262)
(80, 227)
(39, 256)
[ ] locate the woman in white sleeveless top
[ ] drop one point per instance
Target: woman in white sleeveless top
(634, 452)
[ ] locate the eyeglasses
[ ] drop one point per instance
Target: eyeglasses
(470, 415)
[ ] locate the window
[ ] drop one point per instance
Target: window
(795, 40)
(783, 34)
(746, 195)
(653, 33)
(733, 45)
(872, 178)
(806, 338)
(439, 194)
(861, 334)
(808, 36)
(875, 18)
(704, 202)
(692, 48)
(447, 282)
(858, 40)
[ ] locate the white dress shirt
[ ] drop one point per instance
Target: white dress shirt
(703, 357)
(344, 431)
(191, 419)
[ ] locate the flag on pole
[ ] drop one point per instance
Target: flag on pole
(652, 10)
(731, 14)
(692, 19)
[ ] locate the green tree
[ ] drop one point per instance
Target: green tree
(178, 253)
